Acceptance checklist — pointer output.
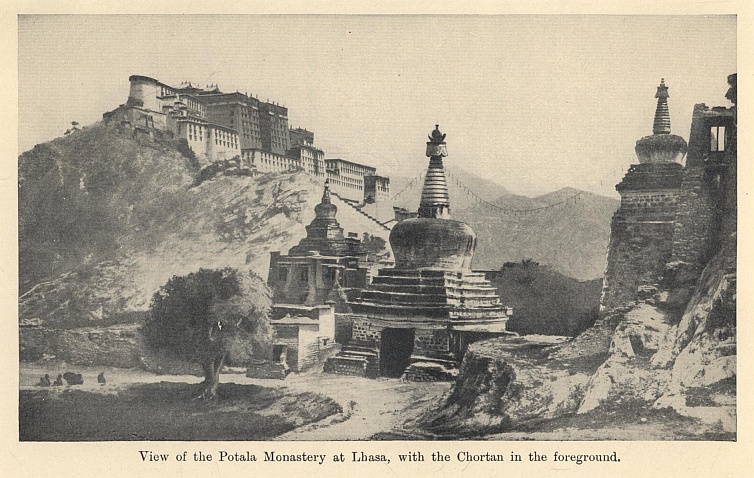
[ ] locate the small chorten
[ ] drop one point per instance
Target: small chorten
(324, 234)
(661, 146)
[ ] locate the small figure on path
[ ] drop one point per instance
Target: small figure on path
(44, 381)
(59, 380)
(101, 378)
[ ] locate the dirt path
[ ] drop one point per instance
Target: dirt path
(369, 406)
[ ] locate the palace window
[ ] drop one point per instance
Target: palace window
(717, 138)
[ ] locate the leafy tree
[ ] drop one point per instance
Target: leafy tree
(212, 317)
(373, 244)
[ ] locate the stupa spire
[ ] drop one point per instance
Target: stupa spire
(326, 193)
(661, 146)
(662, 113)
(435, 202)
(326, 209)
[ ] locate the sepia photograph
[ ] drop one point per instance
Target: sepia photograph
(377, 228)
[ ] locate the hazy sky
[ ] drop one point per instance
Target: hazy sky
(535, 103)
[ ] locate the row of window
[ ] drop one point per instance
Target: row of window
(341, 183)
(346, 179)
(227, 144)
(348, 168)
(219, 142)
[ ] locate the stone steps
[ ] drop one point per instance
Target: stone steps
(357, 360)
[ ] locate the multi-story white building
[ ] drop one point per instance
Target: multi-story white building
(219, 126)
(267, 162)
(311, 159)
(347, 178)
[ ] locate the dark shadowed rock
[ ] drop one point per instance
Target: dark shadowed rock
(73, 378)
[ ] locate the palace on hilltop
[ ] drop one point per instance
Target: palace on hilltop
(221, 126)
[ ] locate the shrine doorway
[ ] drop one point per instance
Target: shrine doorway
(396, 348)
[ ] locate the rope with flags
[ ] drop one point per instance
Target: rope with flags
(410, 185)
(571, 199)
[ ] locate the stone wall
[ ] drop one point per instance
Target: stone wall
(431, 342)
(120, 346)
(314, 353)
(641, 234)
(354, 366)
(695, 221)
(364, 331)
(637, 255)
(650, 203)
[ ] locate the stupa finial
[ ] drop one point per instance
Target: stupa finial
(326, 192)
(662, 113)
(436, 146)
(437, 137)
(661, 146)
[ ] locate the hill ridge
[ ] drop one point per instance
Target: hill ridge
(105, 219)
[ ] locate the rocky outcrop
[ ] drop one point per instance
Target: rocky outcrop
(506, 382)
(627, 373)
(701, 350)
(638, 356)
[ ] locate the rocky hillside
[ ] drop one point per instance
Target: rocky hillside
(571, 238)
(105, 218)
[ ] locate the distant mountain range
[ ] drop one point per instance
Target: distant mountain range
(571, 237)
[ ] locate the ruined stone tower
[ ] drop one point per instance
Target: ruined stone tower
(416, 319)
(641, 239)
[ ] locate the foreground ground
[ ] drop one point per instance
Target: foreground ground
(137, 405)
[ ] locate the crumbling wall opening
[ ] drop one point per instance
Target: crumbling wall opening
(396, 348)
